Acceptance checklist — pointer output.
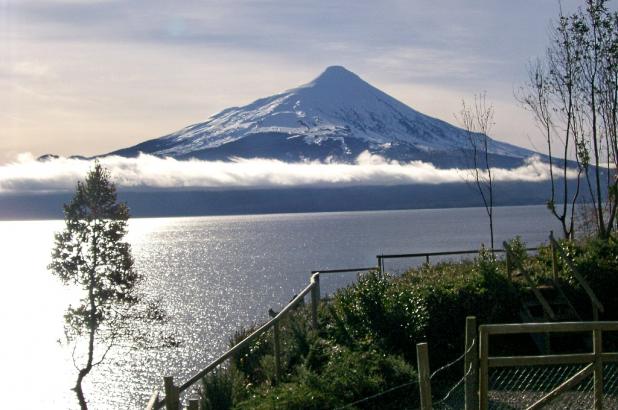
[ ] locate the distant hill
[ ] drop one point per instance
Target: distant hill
(258, 201)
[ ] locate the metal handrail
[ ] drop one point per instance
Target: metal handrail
(418, 255)
(345, 270)
(426, 255)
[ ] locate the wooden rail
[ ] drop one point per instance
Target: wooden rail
(594, 359)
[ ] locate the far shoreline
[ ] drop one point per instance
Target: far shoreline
(196, 203)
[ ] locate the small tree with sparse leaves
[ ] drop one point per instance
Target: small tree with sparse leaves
(477, 120)
(90, 253)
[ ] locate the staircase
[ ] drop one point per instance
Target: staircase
(547, 303)
(544, 302)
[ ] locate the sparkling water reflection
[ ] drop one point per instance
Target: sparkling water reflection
(213, 275)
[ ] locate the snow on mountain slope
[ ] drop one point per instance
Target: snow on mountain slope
(334, 117)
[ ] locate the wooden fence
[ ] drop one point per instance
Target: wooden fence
(478, 362)
(593, 360)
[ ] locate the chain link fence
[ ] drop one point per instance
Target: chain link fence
(520, 387)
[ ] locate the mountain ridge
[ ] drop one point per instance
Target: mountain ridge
(335, 117)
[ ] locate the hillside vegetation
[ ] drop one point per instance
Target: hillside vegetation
(366, 343)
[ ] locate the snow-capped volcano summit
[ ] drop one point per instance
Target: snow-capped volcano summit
(334, 117)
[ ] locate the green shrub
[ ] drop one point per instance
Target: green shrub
(450, 291)
(597, 262)
(349, 375)
(221, 389)
(517, 249)
(379, 310)
(249, 359)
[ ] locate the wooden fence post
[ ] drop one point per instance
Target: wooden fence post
(427, 259)
(471, 365)
(484, 368)
(597, 344)
(315, 300)
(424, 383)
(277, 352)
(172, 399)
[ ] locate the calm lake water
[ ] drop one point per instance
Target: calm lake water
(213, 275)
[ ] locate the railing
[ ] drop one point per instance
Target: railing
(593, 361)
(381, 258)
(171, 401)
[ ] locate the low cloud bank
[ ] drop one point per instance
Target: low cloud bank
(27, 175)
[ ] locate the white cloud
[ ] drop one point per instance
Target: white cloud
(31, 69)
(26, 174)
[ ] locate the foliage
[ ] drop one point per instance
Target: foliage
(452, 291)
(382, 311)
(221, 389)
(517, 250)
(348, 375)
(597, 262)
(248, 359)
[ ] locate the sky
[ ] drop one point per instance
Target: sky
(91, 76)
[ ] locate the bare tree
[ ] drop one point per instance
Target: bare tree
(573, 95)
(477, 120)
(550, 96)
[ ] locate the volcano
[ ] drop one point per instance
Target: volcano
(334, 118)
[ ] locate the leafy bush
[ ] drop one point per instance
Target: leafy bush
(427, 303)
(379, 310)
(597, 262)
(348, 376)
(221, 389)
(249, 359)
(453, 290)
(517, 249)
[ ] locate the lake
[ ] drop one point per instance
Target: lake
(213, 275)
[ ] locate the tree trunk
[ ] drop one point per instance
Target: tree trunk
(79, 391)
(491, 232)
(91, 328)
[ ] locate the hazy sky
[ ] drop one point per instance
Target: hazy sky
(90, 76)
